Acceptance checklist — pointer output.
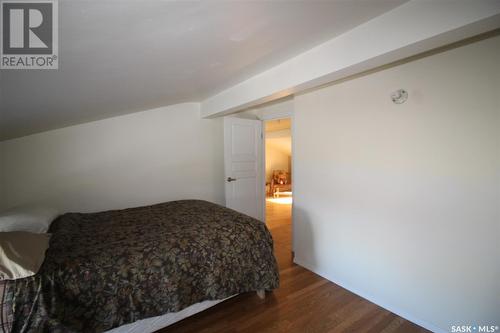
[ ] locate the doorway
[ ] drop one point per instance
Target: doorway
(279, 186)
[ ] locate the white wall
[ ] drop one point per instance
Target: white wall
(401, 203)
(279, 109)
(138, 159)
(282, 108)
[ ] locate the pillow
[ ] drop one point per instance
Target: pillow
(31, 219)
(21, 254)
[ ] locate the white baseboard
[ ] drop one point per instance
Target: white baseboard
(402, 314)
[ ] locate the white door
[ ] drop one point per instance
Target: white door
(243, 168)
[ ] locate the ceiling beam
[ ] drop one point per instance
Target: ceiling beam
(412, 28)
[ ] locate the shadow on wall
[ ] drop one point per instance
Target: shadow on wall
(303, 238)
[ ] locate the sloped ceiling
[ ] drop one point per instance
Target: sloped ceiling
(282, 144)
(279, 135)
(118, 57)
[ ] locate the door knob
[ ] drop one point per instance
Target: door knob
(229, 179)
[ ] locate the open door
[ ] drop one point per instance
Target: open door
(243, 167)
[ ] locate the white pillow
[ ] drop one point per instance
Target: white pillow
(21, 254)
(35, 219)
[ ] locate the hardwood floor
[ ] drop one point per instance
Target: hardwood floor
(305, 302)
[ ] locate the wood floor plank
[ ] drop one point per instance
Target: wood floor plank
(305, 302)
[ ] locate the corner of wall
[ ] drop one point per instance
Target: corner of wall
(389, 307)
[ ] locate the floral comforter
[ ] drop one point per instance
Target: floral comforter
(106, 269)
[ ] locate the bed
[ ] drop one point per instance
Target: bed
(109, 269)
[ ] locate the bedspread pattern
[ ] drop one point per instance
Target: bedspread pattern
(103, 270)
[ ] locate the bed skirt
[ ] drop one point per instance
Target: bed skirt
(154, 324)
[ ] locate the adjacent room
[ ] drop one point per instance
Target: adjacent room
(249, 166)
(278, 156)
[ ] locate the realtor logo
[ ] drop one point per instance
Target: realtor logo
(29, 34)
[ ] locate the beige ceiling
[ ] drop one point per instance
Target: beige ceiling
(278, 135)
(282, 144)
